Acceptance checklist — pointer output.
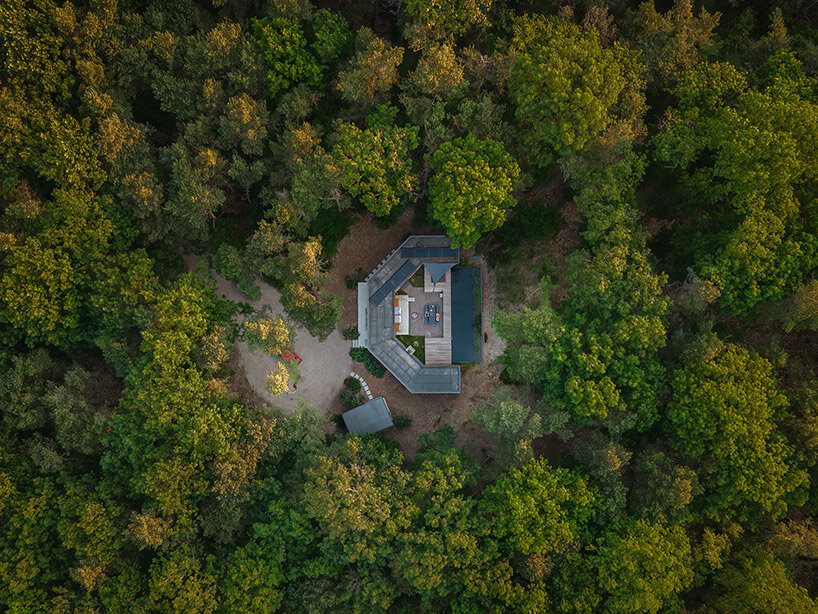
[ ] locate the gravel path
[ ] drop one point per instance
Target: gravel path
(324, 364)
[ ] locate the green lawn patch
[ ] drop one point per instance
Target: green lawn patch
(418, 342)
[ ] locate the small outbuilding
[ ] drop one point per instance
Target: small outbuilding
(368, 418)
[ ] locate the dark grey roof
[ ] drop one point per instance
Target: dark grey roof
(428, 252)
(368, 418)
(410, 372)
(394, 282)
(438, 269)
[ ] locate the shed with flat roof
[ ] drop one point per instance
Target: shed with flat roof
(368, 418)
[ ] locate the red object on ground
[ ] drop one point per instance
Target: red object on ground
(288, 354)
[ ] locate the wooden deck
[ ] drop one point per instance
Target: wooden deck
(438, 351)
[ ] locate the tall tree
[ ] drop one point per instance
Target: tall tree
(568, 89)
(597, 354)
(674, 41)
(376, 164)
(723, 414)
(284, 47)
(539, 510)
(760, 584)
(444, 19)
(471, 188)
(642, 566)
(514, 423)
(753, 241)
(371, 72)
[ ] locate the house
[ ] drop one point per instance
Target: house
(389, 306)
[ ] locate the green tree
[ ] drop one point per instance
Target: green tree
(444, 19)
(439, 72)
(192, 200)
(674, 41)
(356, 494)
(471, 188)
(27, 542)
(747, 149)
(181, 581)
(169, 423)
(244, 125)
(642, 566)
(537, 509)
(447, 550)
(303, 296)
(23, 384)
(332, 35)
(528, 333)
(251, 582)
(376, 163)
(596, 355)
(760, 584)
(90, 527)
(49, 278)
(372, 70)
(78, 424)
(566, 88)
(514, 423)
(800, 310)
(663, 488)
(723, 413)
(284, 47)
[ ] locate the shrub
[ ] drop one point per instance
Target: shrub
(353, 279)
(351, 399)
(370, 362)
(351, 333)
(402, 420)
(352, 384)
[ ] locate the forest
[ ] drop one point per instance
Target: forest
(640, 179)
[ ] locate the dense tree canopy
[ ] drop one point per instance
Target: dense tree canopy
(567, 88)
(642, 566)
(748, 151)
(642, 436)
(376, 165)
(725, 407)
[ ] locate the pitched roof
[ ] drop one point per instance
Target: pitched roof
(438, 269)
